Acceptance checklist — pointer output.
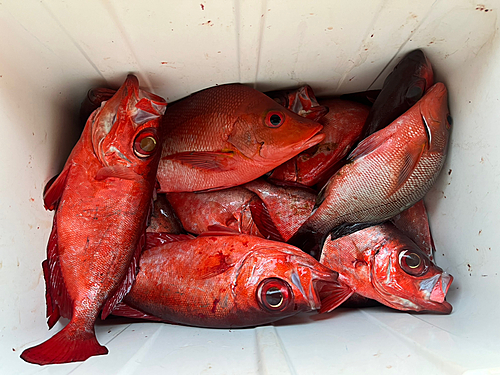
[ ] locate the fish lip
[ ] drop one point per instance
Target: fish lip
(441, 287)
(312, 141)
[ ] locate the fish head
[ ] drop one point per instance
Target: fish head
(381, 263)
(282, 280)
(126, 128)
(419, 74)
(301, 101)
(410, 78)
(436, 118)
(405, 278)
(268, 133)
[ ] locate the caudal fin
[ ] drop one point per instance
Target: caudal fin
(68, 345)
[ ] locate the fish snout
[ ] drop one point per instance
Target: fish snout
(440, 289)
(436, 287)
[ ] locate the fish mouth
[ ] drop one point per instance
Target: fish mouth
(312, 141)
(435, 290)
(441, 287)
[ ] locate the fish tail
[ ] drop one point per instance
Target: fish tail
(308, 241)
(72, 344)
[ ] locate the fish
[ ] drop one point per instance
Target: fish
(93, 100)
(101, 199)
(216, 210)
(229, 281)
(163, 217)
(228, 135)
(385, 174)
(281, 209)
(342, 126)
(402, 88)
(414, 223)
(363, 97)
(381, 263)
(301, 101)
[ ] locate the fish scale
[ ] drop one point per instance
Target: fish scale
(102, 203)
(372, 262)
(214, 281)
(220, 137)
(387, 173)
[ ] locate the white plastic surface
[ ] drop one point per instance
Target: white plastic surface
(54, 51)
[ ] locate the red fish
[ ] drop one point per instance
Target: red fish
(301, 101)
(404, 87)
(228, 135)
(383, 264)
(163, 217)
(414, 223)
(387, 173)
(342, 126)
(102, 199)
(228, 282)
(228, 208)
(281, 210)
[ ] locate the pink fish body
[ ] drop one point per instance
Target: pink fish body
(342, 126)
(281, 210)
(381, 263)
(228, 135)
(387, 173)
(229, 281)
(414, 223)
(102, 199)
(228, 208)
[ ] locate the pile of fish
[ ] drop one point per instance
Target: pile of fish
(235, 208)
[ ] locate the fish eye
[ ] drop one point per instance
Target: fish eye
(412, 263)
(145, 143)
(275, 119)
(274, 295)
(449, 120)
(414, 93)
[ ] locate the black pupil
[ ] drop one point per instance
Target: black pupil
(413, 260)
(449, 119)
(148, 144)
(415, 92)
(274, 297)
(275, 120)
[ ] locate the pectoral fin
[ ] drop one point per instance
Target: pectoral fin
(54, 189)
(372, 143)
(411, 159)
(211, 161)
(117, 171)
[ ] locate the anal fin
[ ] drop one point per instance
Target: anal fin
(122, 309)
(58, 300)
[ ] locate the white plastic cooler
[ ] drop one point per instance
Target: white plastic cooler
(53, 51)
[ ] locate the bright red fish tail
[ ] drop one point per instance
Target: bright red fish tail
(69, 345)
